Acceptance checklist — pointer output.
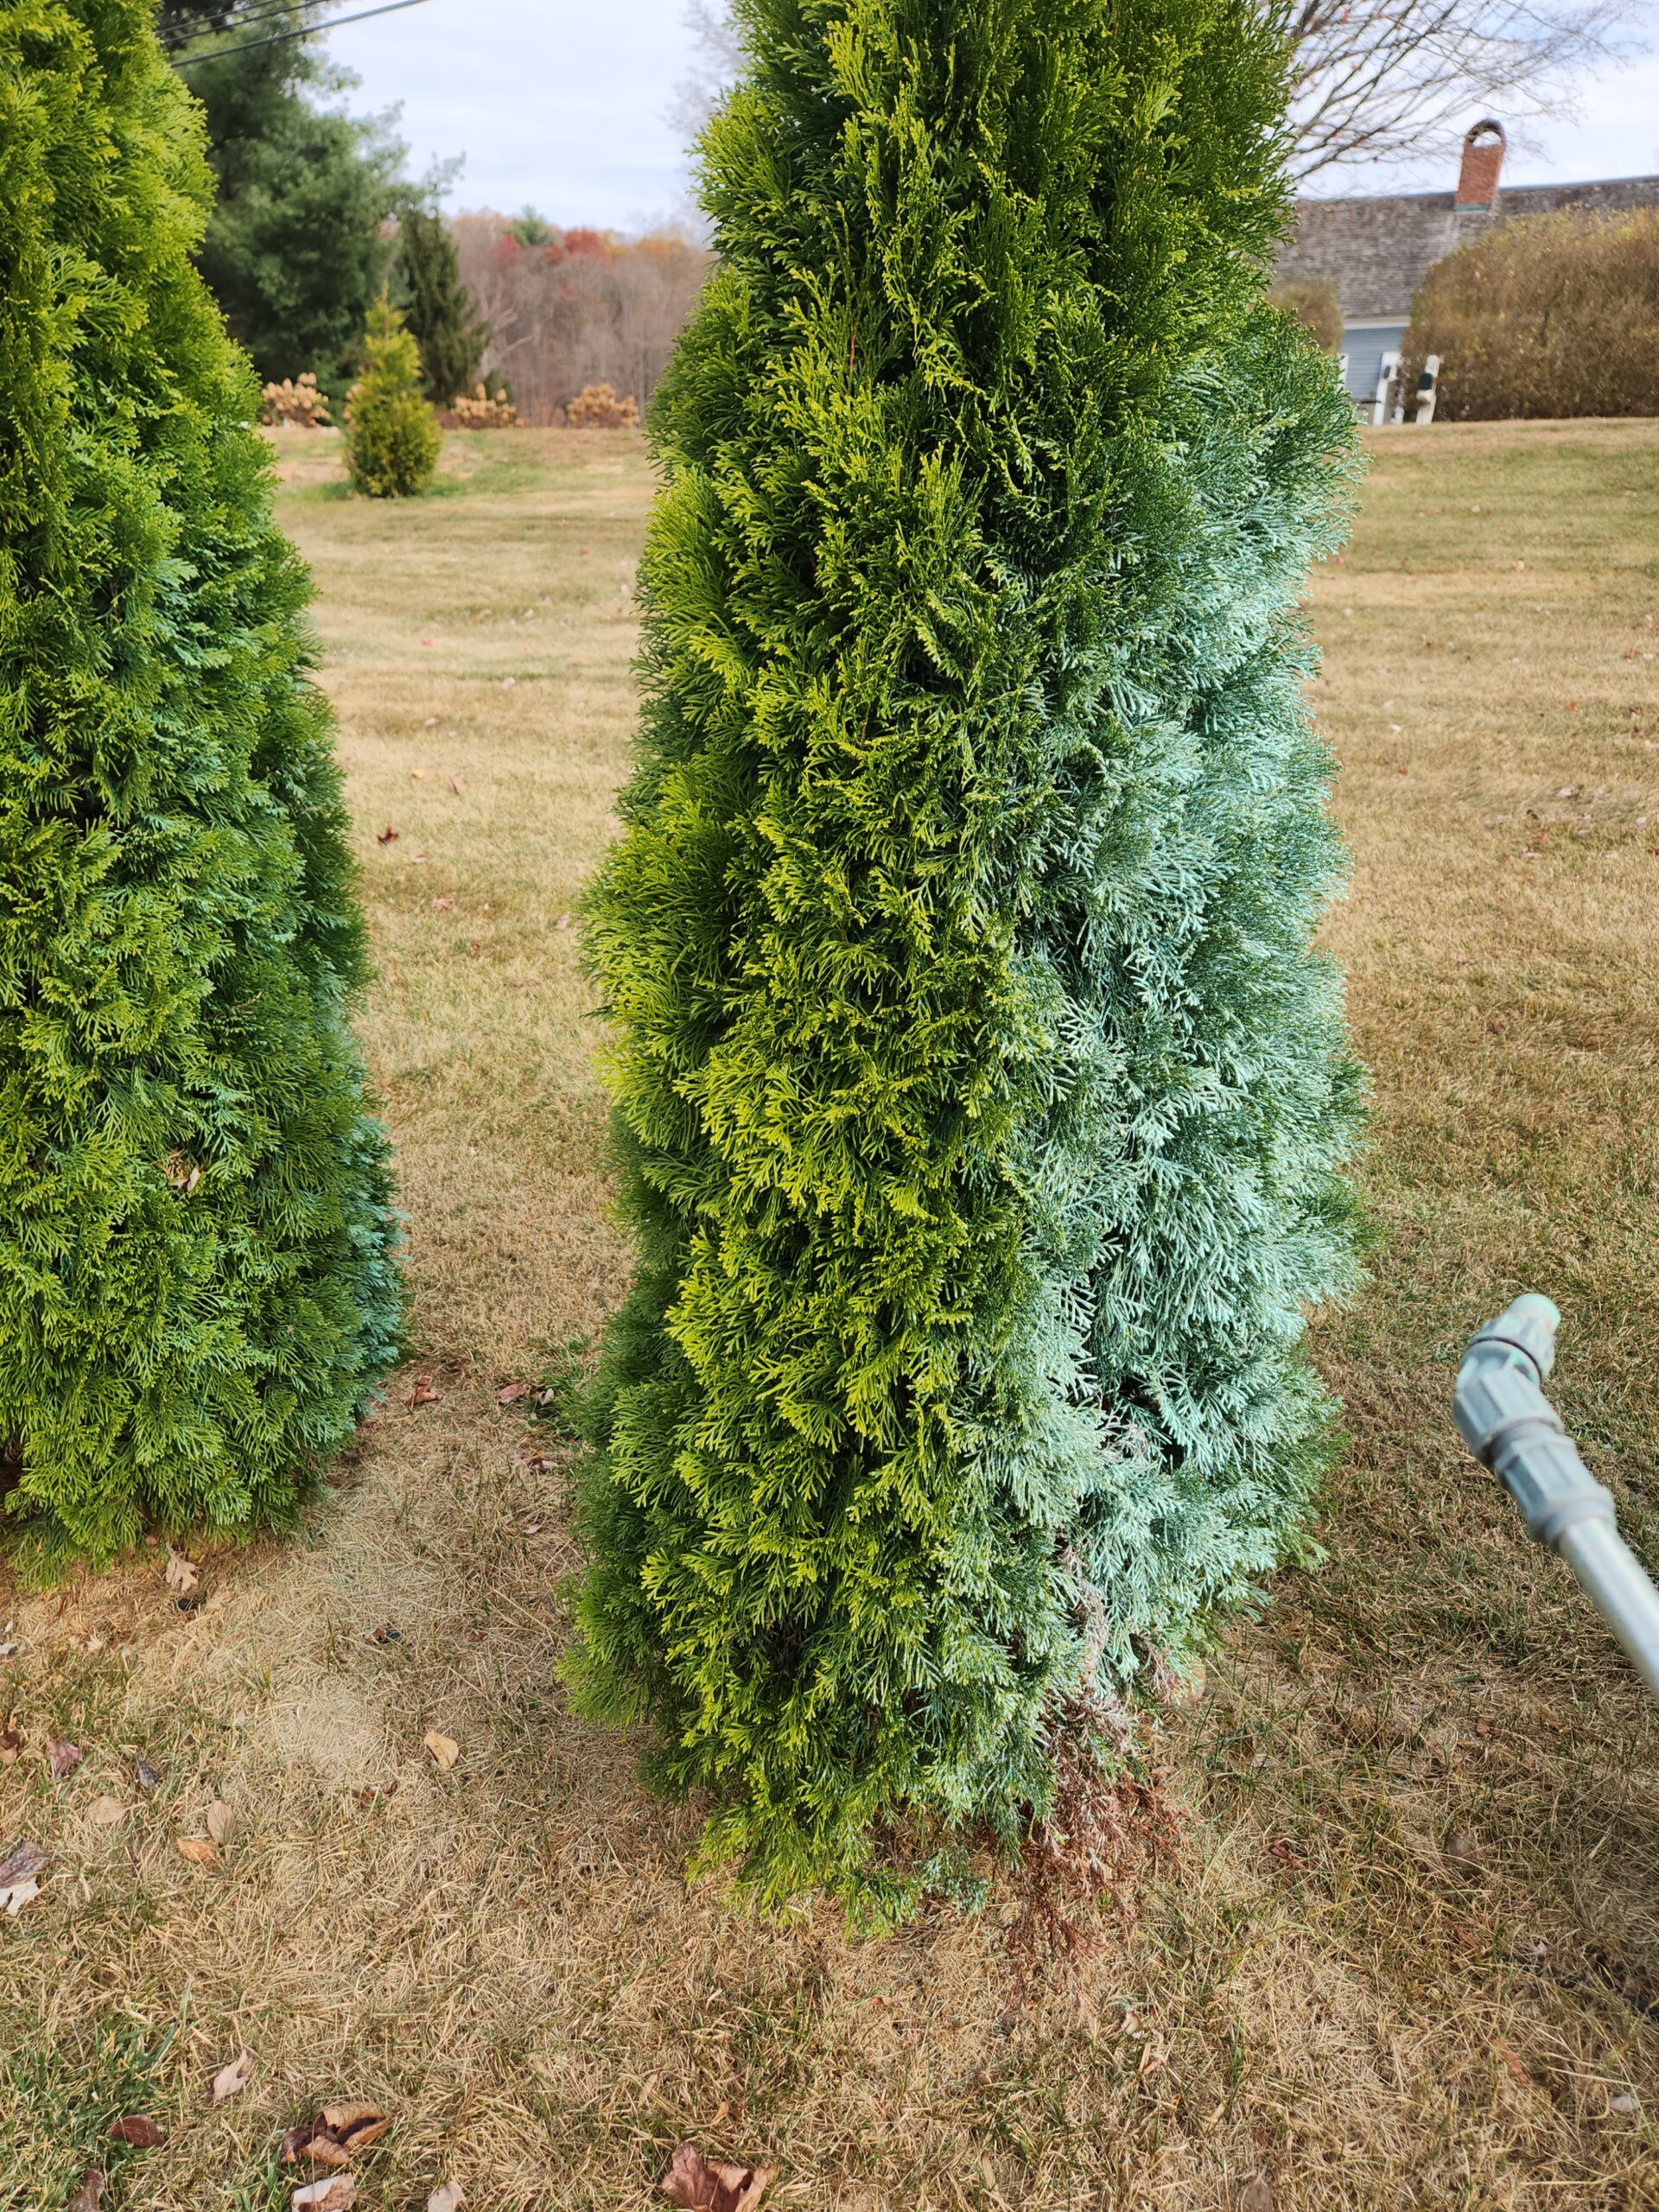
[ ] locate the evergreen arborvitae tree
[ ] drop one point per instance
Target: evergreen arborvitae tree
(440, 314)
(392, 439)
(199, 1286)
(980, 1102)
(296, 248)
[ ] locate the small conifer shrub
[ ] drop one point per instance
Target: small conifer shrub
(199, 1286)
(392, 438)
(982, 1107)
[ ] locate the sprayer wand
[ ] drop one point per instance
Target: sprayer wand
(1512, 1427)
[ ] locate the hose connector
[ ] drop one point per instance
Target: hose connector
(1512, 1427)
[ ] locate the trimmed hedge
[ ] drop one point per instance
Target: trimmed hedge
(980, 1102)
(198, 1280)
(1552, 316)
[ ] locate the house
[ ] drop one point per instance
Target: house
(1377, 251)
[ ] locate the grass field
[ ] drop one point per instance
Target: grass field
(1410, 1957)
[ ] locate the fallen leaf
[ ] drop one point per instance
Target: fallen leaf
(182, 1574)
(316, 2144)
(63, 1759)
(19, 1895)
(443, 905)
(702, 2186)
(145, 1775)
(1517, 2072)
(137, 2129)
(444, 1749)
(10, 1651)
(338, 2193)
(20, 1862)
(356, 2126)
(457, 786)
(1154, 2057)
(231, 2079)
(563, 922)
(1463, 1852)
(423, 1393)
(219, 1821)
(512, 1395)
(1624, 2104)
(445, 2198)
(88, 2190)
(386, 836)
(419, 774)
(11, 1744)
(1256, 2196)
(198, 1850)
(106, 1812)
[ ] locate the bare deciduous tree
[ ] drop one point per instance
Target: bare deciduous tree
(1385, 80)
(1377, 81)
(568, 309)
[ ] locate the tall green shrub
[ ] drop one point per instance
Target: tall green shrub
(442, 315)
(1553, 315)
(980, 1102)
(392, 439)
(198, 1280)
(296, 249)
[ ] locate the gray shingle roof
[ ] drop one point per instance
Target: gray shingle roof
(1377, 251)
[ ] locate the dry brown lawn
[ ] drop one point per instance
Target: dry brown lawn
(1411, 1957)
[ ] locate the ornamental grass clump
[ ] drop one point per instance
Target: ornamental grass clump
(981, 1105)
(199, 1286)
(392, 438)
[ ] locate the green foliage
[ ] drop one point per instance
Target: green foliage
(1553, 315)
(295, 251)
(392, 439)
(980, 1102)
(442, 314)
(1316, 306)
(198, 1279)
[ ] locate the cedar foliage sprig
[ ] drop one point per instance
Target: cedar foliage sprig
(981, 1105)
(198, 1288)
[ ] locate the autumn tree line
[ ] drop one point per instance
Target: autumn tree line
(316, 217)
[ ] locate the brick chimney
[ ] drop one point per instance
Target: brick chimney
(1482, 158)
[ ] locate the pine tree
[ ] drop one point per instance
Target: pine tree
(199, 1286)
(392, 439)
(296, 247)
(980, 1105)
(441, 313)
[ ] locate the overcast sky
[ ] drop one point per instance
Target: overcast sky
(564, 106)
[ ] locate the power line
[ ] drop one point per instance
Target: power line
(228, 19)
(283, 38)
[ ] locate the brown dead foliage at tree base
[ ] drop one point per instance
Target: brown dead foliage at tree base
(1111, 1830)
